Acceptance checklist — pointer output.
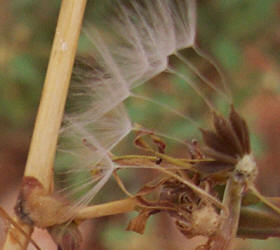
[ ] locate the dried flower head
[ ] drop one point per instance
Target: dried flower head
(132, 47)
(194, 211)
(229, 146)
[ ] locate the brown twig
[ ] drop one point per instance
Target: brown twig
(43, 145)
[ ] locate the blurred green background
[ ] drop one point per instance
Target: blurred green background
(244, 37)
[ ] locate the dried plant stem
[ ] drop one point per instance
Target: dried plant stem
(259, 221)
(228, 229)
(110, 208)
(17, 229)
(43, 145)
(151, 161)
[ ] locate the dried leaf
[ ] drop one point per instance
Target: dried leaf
(143, 145)
(159, 142)
(138, 224)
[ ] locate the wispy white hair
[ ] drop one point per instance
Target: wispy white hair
(135, 46)
(147, 32)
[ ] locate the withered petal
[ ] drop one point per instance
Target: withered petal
(138, 224)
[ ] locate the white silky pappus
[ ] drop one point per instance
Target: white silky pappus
(131, 47)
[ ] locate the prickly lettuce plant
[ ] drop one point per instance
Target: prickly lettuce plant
(211, 182)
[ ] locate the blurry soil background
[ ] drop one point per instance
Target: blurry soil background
(244, 36)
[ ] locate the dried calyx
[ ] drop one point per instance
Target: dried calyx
(229, 148)
(225, 156)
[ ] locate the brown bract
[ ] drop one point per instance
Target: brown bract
(226, 144)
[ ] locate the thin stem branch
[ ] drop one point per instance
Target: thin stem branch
(263, 199)
(153, 159)
(18, 229)
(110, 208)
(229, 226)
(43, 145)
